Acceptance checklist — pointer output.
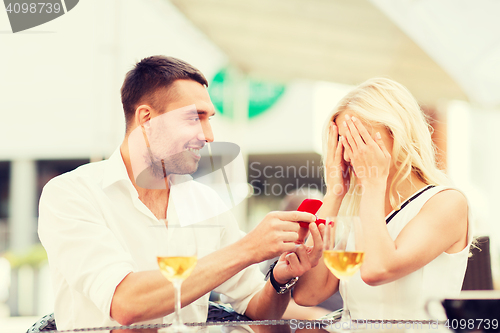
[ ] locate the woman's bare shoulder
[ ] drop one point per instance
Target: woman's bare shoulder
(448, 198)
(448, 208)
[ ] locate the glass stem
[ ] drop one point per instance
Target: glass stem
(177, 316)
(346, 314)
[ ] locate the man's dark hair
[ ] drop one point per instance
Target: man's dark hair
(149, 76)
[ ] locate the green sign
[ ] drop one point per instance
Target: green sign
(261, 94)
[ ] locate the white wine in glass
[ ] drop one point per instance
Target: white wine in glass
(176, 268)
(343, 252)
(343, 264)
(177, 258)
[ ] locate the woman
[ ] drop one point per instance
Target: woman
(378, 154)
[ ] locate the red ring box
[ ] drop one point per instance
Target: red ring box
(310, 206)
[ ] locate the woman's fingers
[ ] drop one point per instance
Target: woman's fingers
(346, 143)
(362, 131)
(348, 136)
(336, 158)
(333, 134)
(380, 143)
(354, 132)
(338, 152)
(332, 143)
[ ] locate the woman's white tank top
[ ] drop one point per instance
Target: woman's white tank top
(405, 298)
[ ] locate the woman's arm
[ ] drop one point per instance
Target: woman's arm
(440, 226)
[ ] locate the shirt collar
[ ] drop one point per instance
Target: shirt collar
(115, 170)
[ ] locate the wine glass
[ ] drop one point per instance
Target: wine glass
(343, 252)
(177, 257)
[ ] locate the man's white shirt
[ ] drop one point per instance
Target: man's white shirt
(96, 231)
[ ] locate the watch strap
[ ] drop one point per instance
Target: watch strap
(280, 288)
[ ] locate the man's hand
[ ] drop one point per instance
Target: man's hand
(304, 257)
(277, 233)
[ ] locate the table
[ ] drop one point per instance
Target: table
(282, 326)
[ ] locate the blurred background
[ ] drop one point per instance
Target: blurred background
(276, 68)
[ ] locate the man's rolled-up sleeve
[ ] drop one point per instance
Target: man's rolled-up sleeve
(80, 246)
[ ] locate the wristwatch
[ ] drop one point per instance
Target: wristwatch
(280, 288)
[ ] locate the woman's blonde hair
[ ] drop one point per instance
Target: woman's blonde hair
(381, 101)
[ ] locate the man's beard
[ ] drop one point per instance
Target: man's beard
(174, 164)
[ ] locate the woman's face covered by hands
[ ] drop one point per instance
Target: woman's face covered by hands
(366, 147)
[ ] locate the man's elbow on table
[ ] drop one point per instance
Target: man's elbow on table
(122, 312)
(122, 309)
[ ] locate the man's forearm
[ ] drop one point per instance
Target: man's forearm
(267, 304)
(148, 295)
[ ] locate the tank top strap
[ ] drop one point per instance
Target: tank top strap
(410, 199)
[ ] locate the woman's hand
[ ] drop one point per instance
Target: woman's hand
(369, 157)
(337, 175)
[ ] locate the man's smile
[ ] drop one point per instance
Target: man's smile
(195, 151)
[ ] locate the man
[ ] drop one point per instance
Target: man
(95, 221)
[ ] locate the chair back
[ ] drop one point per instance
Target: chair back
(478, 274)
